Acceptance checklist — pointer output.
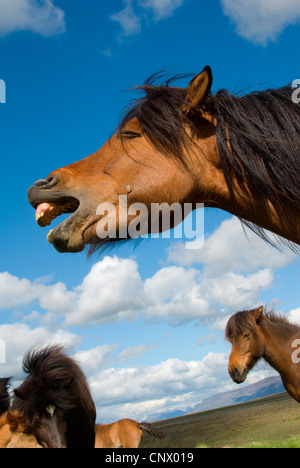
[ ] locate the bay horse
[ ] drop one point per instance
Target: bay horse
(15, 431)
(258, 334)
(56, 401)
(4, 395)
(178, 145)
(125, 433)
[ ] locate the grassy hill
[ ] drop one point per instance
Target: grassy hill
(272, 421)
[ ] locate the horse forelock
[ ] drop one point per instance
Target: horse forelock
(240, 323)
(55, 380)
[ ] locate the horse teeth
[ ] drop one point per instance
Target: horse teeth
(39, 216)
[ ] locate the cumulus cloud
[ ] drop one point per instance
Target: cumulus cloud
(130, 18)
(232, 271)
(111, 291)
(19, 338)
(294, 316)
(41, 17)
(228, 249)
(139, 392)
(261, 21)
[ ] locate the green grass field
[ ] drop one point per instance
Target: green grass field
(271, 422)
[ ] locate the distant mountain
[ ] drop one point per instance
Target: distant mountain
(169, 414)
(266, 387)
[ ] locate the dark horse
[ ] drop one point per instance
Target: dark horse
(56, 400)
(176, 145)
(255, 335)
(4, 395)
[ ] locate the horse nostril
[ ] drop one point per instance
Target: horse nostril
(47, 183)
(234, 373)
(41, 183)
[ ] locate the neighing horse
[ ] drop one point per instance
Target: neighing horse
(182, 146)
(55, 398)
(4, 395)
(15, 432)
(256, 335)
(125, 433)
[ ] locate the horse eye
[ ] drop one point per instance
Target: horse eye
(247, 336)
(129, 134)
(37, 424)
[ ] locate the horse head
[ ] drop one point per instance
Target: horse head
(247, 343)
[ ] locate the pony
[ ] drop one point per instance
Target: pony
(15, 431)
(4, 395)
(125, 433)
(259, 334)
(56, 401)
(181, 146)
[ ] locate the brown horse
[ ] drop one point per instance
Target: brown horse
(176, 145)
(15, 432)
(256, 334)
(125, 433)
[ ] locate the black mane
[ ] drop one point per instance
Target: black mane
(263, 129)
(4, 395)
(54, 378)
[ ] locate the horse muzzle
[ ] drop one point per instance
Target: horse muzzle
(238, 375)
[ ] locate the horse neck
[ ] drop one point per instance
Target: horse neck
(278, 338)
(214, 191)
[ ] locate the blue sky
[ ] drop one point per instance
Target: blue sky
(147, 324)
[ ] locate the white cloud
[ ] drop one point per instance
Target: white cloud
(161, 8)
(97, 358)
(228, 249)
(261, 21)
(41, 17)
(19, 337)
(294, 316)
(139, 392)
(232, 273)
(130, 18)
(111, 291)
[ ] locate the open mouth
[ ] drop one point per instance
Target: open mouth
(48, 211)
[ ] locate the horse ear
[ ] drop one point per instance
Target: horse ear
(258, 313)
(19, 394)
(198, 90)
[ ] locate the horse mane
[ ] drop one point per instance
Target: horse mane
(246, 321)
(258, 137)
(53, 378)
(4, 395)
